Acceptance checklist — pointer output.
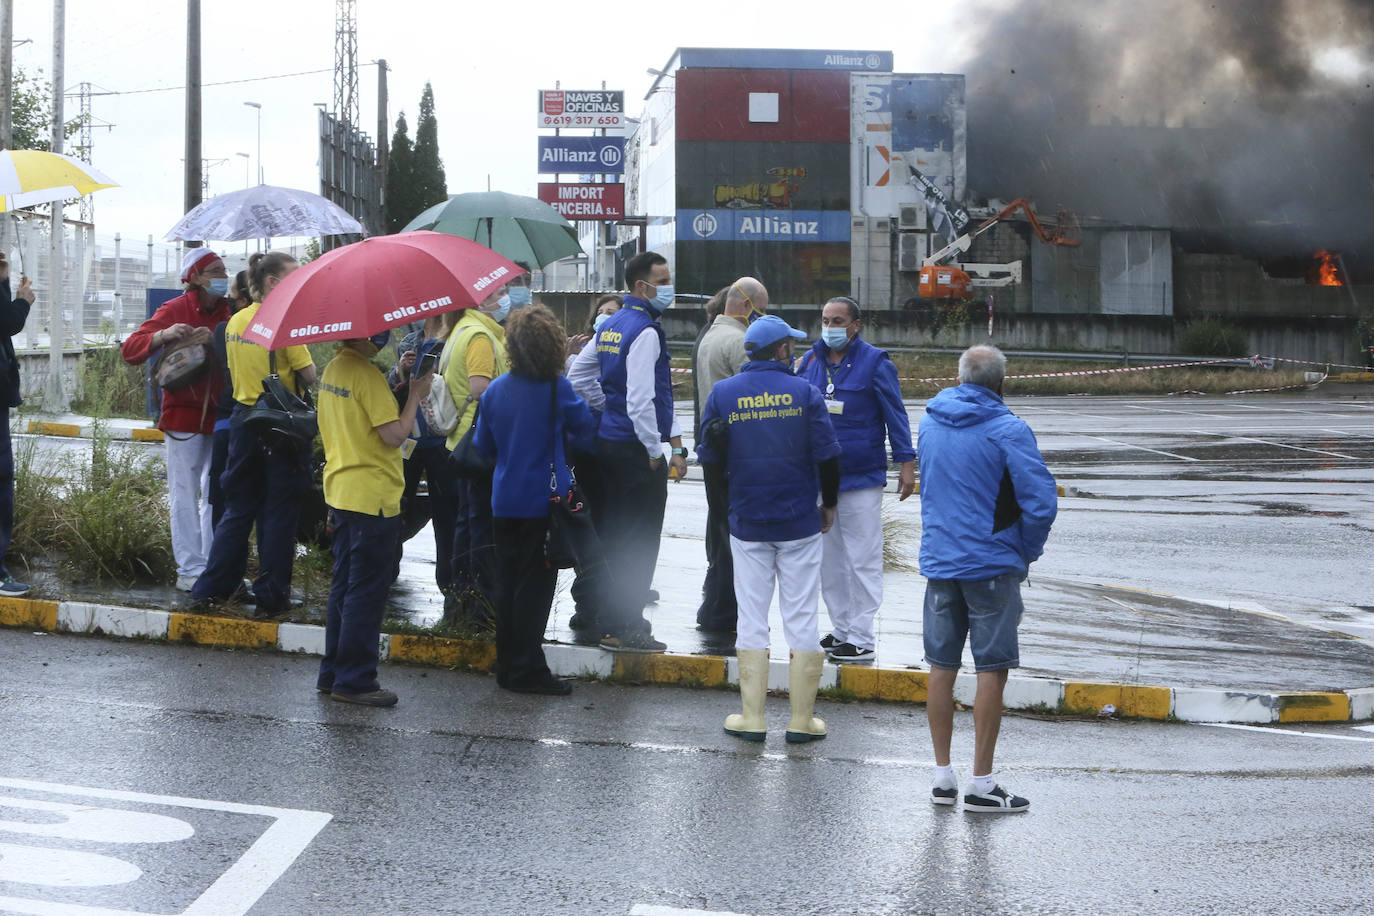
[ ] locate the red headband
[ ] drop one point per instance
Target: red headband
(201, 263)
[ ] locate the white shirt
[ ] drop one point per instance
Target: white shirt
(584, 374)
(639, 393)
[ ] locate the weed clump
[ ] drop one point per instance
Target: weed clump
(1210, 337)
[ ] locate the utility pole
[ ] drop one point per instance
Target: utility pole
(383, 148)
(193, 159)
(6, 73)
(54, 398)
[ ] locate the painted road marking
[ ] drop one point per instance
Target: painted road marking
(1286, 732)
(1364, 728)
(1142, 448)
(1315, 451)
(654, 909)
(232, 893)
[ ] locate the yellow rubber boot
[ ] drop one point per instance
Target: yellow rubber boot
(804, 678)
(753, 687)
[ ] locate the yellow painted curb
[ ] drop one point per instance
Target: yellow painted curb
(146, 435)
(41, 428)
(885, 684)
(222, 631)
(1313, 707)
(1138, 702)
(670, 669)
(33, 613)
(448, 653)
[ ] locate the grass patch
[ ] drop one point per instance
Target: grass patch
(443, 629)
(838, 693)
(110, 387)
(1205, 379)
(898, 537)
(1210, 337)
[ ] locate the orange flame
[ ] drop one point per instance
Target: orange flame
(1327, 274)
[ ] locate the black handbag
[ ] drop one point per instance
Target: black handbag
(283, 420)
(572, 540)
(467, 460)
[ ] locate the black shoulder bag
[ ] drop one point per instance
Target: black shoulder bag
(467, 460)
(282, 419)
(572, 540)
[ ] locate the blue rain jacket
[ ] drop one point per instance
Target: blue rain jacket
(866, 384)
(980, 471)
(778, 432)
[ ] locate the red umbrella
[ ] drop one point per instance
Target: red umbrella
(379, 283)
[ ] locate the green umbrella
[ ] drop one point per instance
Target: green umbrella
(520, 228)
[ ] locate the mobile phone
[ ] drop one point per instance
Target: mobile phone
(427, 364)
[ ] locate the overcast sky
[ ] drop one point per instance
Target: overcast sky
(486, 62)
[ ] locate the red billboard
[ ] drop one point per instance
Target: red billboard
(585, 201)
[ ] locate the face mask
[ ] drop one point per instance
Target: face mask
(380, 340)
(219, 286)
(835, 338)
(502, 309)
(600, 320)
(663, 298)
(520, 296)
(755, 313)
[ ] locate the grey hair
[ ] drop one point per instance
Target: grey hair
(983, 365)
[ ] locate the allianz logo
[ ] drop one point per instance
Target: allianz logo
(870, 61)
(706, 225)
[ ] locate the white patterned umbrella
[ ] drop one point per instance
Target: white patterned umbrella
(264, 212)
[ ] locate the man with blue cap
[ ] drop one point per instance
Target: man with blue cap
(770, 449)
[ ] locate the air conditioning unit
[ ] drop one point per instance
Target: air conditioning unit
(911, 217)
(911, 252)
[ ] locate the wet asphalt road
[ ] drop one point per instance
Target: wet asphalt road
(465, 799)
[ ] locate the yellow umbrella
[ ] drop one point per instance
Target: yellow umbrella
(30, 176)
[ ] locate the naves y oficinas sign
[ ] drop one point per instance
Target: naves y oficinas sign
(569, 108)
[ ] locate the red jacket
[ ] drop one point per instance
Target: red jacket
(190, 409)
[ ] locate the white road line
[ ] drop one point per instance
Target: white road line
(1142, 448)
(1286, 732)
(1315, 451)
(1186, 413)
(1364, 728)
(654, 909)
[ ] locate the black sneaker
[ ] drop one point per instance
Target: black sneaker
(378, 697)
(846, 653)
(942, 796)
(995, 802)
(640, 643)
(11, 588)
(829, 643)
(549, 687)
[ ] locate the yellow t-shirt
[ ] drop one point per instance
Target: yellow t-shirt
(248, 362)
(361, 472)
(475, 347)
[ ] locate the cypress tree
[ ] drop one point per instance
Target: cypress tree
(400, 179)
(428, 181)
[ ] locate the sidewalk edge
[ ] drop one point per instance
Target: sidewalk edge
(849, 682)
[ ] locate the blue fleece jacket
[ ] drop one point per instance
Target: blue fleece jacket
(514, 426)
(987, 498)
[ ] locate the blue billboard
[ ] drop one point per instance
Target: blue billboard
(798, 226)
(785, 59)
(582, 155)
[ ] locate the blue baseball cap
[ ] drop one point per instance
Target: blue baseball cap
(768, 330)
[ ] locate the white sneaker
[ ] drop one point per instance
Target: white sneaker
(186, 583)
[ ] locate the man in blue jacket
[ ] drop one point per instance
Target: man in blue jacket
(987, 504)
(770, 451)
(864, 399)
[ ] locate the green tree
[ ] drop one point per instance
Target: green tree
(31, 118)
(400, 196)
(430, 187)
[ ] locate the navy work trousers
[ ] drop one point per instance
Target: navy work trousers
(432, 462)
(524, 592)
(256, 482)
(718, 610)
(632, 498)
(474, 549)
(365, 560)
(6, 487)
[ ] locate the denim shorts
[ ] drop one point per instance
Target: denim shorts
(985, 611)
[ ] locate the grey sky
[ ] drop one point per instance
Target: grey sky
(485, 60)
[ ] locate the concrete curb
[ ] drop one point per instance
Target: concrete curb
(905, 685)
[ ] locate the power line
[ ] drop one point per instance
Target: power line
(253, 79)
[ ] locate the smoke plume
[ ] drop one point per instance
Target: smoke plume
(1243, 125)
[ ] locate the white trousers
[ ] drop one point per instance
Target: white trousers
(188, 489)
(795, 568)
(852, 569)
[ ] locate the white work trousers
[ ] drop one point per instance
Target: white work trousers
(852, 569)
(795, 567)
(188, 488)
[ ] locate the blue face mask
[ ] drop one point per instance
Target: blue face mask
(502, 309)
(380, 340)
(600, 320)
(219, 286)
(520, 296)
(835, 338)
(663, 298)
